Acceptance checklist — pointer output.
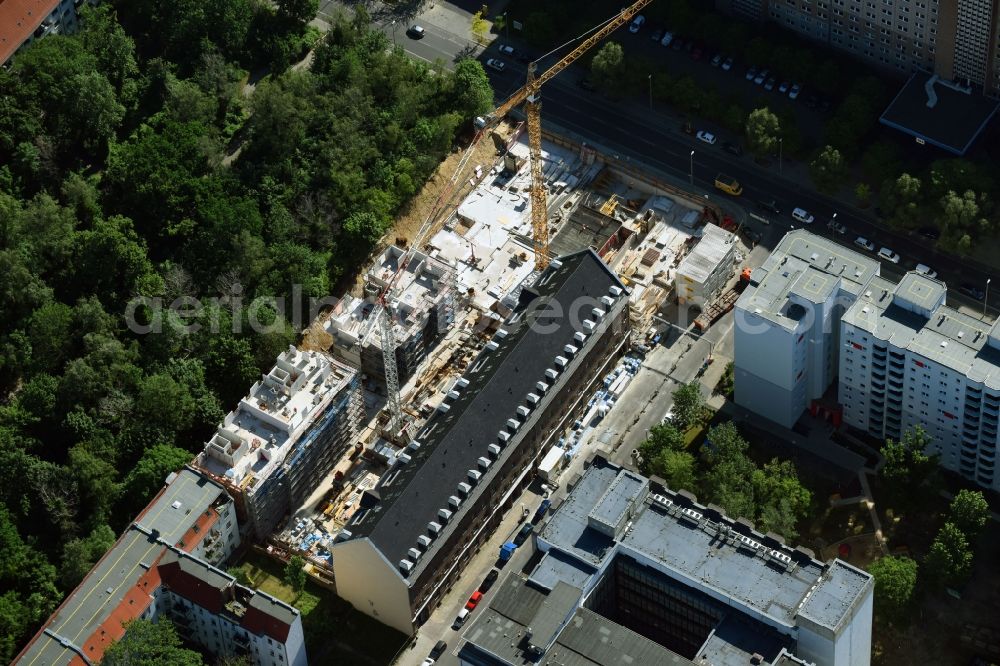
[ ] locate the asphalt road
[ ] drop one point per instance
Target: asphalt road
(657, 139)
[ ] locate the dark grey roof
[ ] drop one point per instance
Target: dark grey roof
(737, 638)
(841, 585)
(556, 566)
(593, 640)
(586, 228)
(954, 121)
(499, 382)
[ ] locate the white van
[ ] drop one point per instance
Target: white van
(460, 619)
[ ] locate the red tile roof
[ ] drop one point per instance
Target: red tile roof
(258, 622)
(18, 19)
(135, 603)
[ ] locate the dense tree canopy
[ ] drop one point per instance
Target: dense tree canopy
(895, 581)
(134, 163)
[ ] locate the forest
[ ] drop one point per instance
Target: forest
(170, 150)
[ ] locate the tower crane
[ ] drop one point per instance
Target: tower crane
(530, 95)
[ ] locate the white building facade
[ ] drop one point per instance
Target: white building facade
(908, 359)
(787, 324)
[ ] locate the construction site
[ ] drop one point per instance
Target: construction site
(451, 294)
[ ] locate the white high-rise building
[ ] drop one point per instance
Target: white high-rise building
(908, 359)
(788, 321)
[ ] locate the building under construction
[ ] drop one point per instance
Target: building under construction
(273, 450)
(422, 308)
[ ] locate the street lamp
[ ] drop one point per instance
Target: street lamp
(691, 172)
(650, 78)
(780, 142)
(394, 33)
(986, 296)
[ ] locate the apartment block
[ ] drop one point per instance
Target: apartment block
(703, 273)
(634, 572)
(787, 323)
(23, 21)
(422, 306)
(908, 359)
(416, 529)
(284, 437)
(164, 565)
(956, 39)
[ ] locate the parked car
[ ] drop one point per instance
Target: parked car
(761, 76)
(656, 35)
(769, 84)
(473, 601)
(972, 290)
(707, 137)
(667, 38)
(793, 93)
(487, 583)
(836, 227)
(637, 24)
(770, 205)
(438, 649)
(924, 269)
(523, 534)
(888, 255)
(732, 148)
(803, 216)
(416, 31)
(507, 49)
(864, 243)
(727, 64)
(930, 233)
(783, 88)
(460, 619)
(751, 73)
(717, 60)
(428, 661)
(498, 65)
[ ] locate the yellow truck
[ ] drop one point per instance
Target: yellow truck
(728, 184)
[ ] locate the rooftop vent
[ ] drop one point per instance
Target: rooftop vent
(501, 333)
(484, 462)
(504, 437)
(551, 374)
(454, 501)
(561, 361)
(434, 528)
(780, 556)
(555, 264)
(598, 313)
(542, 387)
(523, 411)
(474, 476)
(404, 458)
(405, 566)
(413, 554)
(461, 383)
(513, 424)
(464, 488)
(444, 407)
(492, 346)
(691, 516)
(414, 445)
(533, 398)
(570, 350)
(944, 343)
(444, 515)
(615, 291)
(494, 450)
(453, 395)
(423, 540)
(588, 326)
(607, 300)
(579, 336)
(343, 535)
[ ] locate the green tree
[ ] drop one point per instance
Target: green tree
(895, 581)
(295, 574)
(480, 27)
(151, 471)
(676, 468)
(689, 406)
(240, 574)
(779, 497)
(762, 131)
(298, 11)
(901, 199)
(828, 170)
(148, 643)
(79, 555)
(880, 162)
(969, 512)
(473, 95)
(949, 560)
(907, 466)
(608, 67)
(863, 193)
(727, 383)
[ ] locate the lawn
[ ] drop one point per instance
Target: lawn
(335, 633)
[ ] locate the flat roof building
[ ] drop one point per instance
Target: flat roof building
(163, 566)
(703, 273)
(675, 582)
(787, 323)
(273, 450)
(413, 532)
(908, 359)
